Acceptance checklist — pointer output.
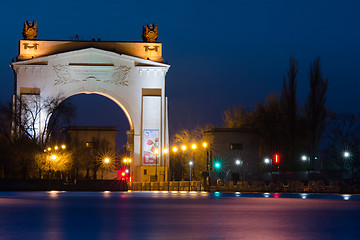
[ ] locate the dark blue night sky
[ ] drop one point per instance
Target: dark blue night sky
(221, 52)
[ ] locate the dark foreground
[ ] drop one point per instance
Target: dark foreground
(178, 215)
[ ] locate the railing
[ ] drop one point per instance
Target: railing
(255, 186)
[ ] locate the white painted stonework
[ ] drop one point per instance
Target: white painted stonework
(135, 82)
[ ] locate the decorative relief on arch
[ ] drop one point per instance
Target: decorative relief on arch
(118, 75)
(62, 74)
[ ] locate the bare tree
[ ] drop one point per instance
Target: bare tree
(289, 107)
(21, 130)
(315, 110)
(342, 133)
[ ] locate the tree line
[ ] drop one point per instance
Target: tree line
(29, 150)
(292, 130)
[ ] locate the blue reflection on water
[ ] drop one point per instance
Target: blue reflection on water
(177, 215)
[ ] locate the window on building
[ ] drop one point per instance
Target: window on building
(235, 146)
(145, 172)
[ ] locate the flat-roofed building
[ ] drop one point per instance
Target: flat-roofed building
(236, 150)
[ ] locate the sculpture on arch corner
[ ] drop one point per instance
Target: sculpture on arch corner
(30, 30)
(150, 33)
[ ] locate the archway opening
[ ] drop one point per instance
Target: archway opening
(95, 110)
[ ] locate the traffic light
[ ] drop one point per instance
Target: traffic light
(217, 165)
(277, 158)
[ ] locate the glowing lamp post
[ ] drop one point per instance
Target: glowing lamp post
(238, 164)
(105, 161)
(304, 158)
(267, 161)
(190, 165)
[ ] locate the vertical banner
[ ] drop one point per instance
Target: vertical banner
(150, 143)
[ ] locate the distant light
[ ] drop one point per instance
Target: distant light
(346, 154)
(267, 161)
(53, 157)
(204, 144)
(106, 160)
(49, 149)
(346, 197)
(183, 147)
(191, 163)
(237, 162)
(63, 146)
(193, 146)
(175, 149)
(123, 174)
(156, 151)
(303, 157)
(165, 150)
(127, 170)
(303, 195)
(125, 160)
(56, 147)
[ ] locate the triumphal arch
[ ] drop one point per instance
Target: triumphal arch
(132, 74)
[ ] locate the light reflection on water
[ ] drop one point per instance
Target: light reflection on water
(177, 215)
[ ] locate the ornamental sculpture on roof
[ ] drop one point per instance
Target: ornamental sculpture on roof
(150, 33)
(30, 30)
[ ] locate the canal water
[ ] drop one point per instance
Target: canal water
(177, 215)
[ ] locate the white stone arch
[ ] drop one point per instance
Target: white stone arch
(134, 81)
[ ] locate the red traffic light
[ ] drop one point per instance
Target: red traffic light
(277, 158)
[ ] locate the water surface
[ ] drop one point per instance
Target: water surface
(176, 215)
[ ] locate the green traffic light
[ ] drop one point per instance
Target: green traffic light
(217, 165)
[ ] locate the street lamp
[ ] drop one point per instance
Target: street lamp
(105, 161)
(238, 163)
(190, 165)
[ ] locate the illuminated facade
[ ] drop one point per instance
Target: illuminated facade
(132, 74)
